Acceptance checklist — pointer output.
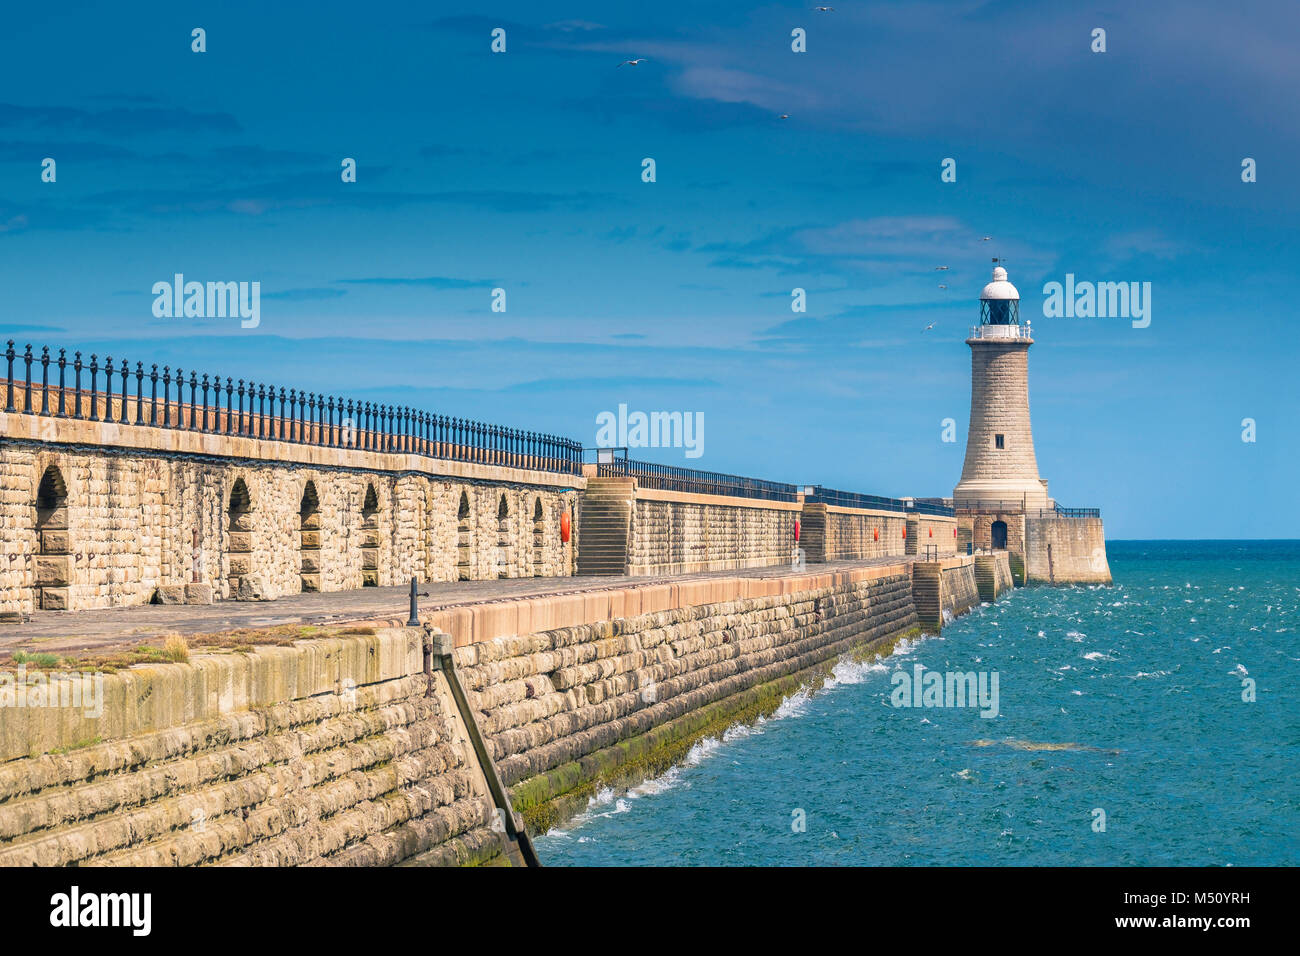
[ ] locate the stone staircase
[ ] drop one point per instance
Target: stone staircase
(604, 525)
(927, 594)
(986, 579)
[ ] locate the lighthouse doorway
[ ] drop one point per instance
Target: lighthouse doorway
(999, 532)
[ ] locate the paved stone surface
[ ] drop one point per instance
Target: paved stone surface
(67, 631)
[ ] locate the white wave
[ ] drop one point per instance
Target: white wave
(849, 672)
(703, 749)
(793, 706)
(741, 731)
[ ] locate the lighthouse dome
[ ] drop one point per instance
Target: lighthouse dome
(1000, 288)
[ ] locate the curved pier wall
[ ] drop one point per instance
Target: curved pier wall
(348, 747)
(340, 749)
(568, 710)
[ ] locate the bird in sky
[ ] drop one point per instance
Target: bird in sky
(824, 9)
(986, 239)
(639, 60)
(784, 116)
(927, 328)
(940, 268)
(943, 287)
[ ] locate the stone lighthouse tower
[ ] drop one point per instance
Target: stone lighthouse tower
(1001, 502)
(1001, 471)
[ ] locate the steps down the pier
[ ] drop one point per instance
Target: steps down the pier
(604, 525)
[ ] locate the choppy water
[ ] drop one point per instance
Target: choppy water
(1126, 699)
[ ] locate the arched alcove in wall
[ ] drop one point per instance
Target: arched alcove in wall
(370, 539)
(464, 539)
(539, 538)
(309, 538)
(53, 547)
(239, 535)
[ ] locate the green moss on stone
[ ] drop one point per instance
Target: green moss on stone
(547, 800)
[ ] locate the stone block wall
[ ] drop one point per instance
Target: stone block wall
(338, 751)
(344, 749)
(1066, 551)
(979, 529)
(831, 533)
(993, 575)
(960, 590)
(933, 531)
(128, 524)
(948, 588)
(675, 533)
(567, 710)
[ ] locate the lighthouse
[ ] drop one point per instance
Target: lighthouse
(1001, 503)
(1001, 471)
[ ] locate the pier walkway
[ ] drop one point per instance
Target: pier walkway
(67, 631)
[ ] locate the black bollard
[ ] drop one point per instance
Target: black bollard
(414, 620)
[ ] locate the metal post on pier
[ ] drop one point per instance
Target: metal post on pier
(414, 619)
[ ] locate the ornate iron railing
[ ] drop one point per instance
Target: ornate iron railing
(306, 418)
(672, 478)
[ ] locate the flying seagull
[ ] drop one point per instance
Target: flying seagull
(927, 328)
(636, 62)
(824, 9)
(986, 239)
(943, 287)
(784, 116)
(940, 268)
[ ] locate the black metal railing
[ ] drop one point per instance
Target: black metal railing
(672, 478)
(95, 392)
(922, 506)
(992, 505)
(1059, 512)
(852, 499)
(1020, 506)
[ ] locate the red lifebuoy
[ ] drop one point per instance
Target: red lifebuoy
(877, 534)
(932, 532)
(905, 532)
(564, 527)
(796, 529)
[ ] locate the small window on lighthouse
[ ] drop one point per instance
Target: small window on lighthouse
(999, 441)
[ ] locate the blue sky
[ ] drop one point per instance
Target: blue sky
(522, 171)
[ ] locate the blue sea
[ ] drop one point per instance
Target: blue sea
(1121, 739)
